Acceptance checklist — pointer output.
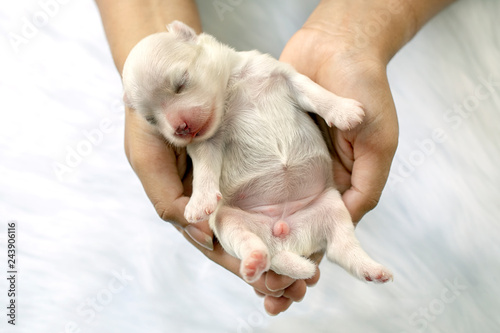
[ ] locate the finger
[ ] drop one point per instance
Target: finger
(316, 258)
(366, 189)
(201, 234)
(370, 170)
(296, 291)
(276, 282)
(275, 305)
(311, 282)
(232, 264)
(261, 285)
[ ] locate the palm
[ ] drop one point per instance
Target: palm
(362, 156)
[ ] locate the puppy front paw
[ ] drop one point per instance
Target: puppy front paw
(201, 206)
(346, 114)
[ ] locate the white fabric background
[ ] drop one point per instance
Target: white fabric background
(436, 225)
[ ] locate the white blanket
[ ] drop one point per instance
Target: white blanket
(92, 255)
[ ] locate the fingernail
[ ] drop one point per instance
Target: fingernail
(282, 289)
(279, 293)
(269, 313)
(265, 283)
(272, 290)
(276, 292)
(201, 238)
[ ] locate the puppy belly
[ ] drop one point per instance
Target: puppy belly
(281, 210)
(281, 227)
(277, 236)
(284, 227)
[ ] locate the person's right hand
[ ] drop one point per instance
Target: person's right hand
(166, 175)
(345, 46)
(361, 156)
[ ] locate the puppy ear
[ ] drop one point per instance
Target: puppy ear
(182, 31)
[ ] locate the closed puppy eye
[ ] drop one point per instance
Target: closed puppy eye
(152, 120)
(179, 87)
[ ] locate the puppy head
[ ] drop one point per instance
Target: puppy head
(177, 81)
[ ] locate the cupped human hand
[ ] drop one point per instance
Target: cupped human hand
(166, 175)
(362, 156)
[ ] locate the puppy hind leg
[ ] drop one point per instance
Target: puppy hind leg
(293, 265)
(254, 264)
(236, 237)
(344, 248)
(346, 251)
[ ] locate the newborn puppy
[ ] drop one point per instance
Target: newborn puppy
(262, 173)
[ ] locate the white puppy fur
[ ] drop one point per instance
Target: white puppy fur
(262, 172)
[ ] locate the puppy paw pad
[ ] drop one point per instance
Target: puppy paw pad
(254, 265)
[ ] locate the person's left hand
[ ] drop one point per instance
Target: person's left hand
(166, 177)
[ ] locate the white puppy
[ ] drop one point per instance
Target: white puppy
(262, 172)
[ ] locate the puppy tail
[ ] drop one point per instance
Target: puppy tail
(293, 265)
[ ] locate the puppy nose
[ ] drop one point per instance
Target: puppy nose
(183, 129)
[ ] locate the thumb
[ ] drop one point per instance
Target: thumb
(201, 234)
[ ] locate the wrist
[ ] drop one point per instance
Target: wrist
(373, 30)
(127, 22)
